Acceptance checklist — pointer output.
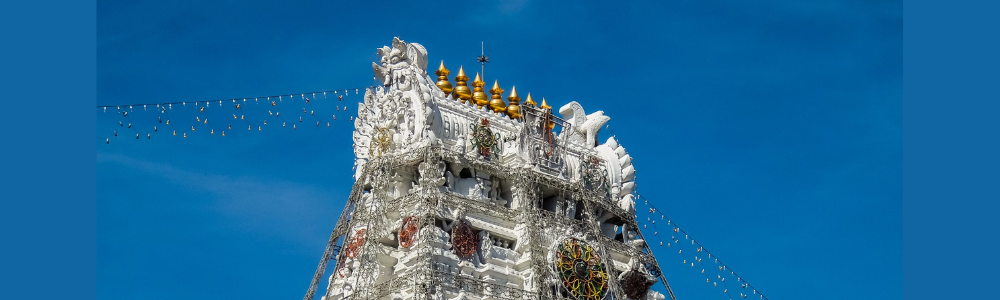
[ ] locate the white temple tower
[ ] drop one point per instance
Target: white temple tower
(461, 196)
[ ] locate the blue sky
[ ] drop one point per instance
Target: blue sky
(770, 131)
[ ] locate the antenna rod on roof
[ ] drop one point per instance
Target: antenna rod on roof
(483, 59)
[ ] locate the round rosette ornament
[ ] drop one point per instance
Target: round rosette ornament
(353, 247)
(581, 270)
(635, 285)
(408, 232)
(464, 239)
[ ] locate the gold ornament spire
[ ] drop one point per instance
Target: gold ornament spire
(514, 108)
(530, 102)
(551, 124)
(442, 83)
(462, 89)
(497, 104)
(478, 94)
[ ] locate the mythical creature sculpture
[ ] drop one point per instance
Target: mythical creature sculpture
(584, 126)
(431, 174)
(403, 105)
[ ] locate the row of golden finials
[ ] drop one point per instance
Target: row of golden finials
(477, 95)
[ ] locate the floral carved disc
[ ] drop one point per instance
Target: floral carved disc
(635, 285)
(353, 247)
(464, 239)
(581, 270)
(408, 232)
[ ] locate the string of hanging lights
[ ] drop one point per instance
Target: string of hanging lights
(696, 259)
(244, 111)
(340, 93)
(696, 254)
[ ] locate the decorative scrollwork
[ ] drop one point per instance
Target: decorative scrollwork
(635, 285)
(354, 246)
(485, 139)
(595, 177)
(380, 142)
(408, 232)
(581, 270)
(463, 239)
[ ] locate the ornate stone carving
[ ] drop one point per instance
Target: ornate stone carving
(463, 239)
(581, 270)
(636, 284)
(428, 167)
(353, 248)
(408, 231)
(585, 126)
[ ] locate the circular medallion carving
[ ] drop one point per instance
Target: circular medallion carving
(635, 284)
(463, 239)
(408, 232)
(353, 247)
(581, 270)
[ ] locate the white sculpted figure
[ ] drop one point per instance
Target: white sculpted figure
(585, 126)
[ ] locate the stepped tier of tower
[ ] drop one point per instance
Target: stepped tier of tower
(460, 197)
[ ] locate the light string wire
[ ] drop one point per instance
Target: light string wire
(719, 272)
(700, 248)
(336, 92)
(248, 108)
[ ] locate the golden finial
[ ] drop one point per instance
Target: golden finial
(552, 123)
(514, 109)
(497, 103)
(529, 101)
(462, 90)
(478, 94)
(442, 83)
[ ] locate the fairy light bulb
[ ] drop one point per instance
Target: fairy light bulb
(185, 135)
(212, 132)
(149, 136)
(192, 128)
(154, 129)
(175, 132)
(230, 126)
(197, 119)
(223, 133)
